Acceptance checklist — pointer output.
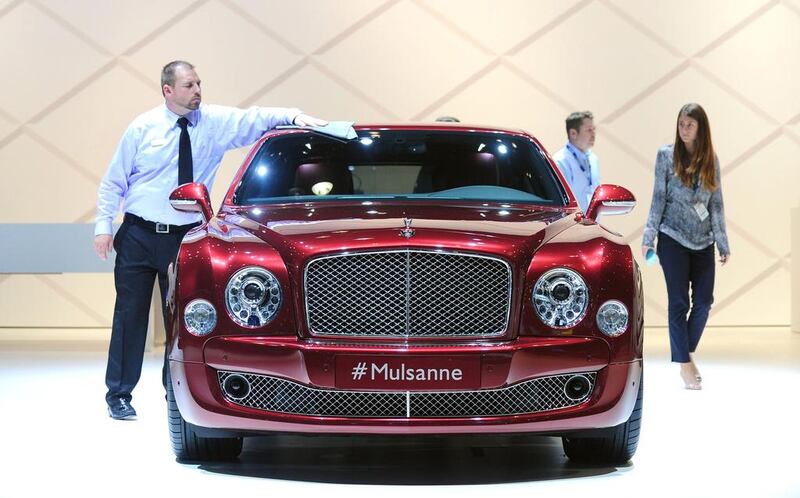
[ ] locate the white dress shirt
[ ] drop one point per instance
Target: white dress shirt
(582, 171)
(144, 169)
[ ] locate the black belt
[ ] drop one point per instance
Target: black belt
(158, 227)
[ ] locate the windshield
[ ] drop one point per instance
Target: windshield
(405, 164)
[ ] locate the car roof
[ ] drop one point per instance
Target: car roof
(443, 126)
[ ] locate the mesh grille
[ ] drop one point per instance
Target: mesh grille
(408, 294)
(537, 395)
(283, 396)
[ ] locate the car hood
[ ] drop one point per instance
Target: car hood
(302, 231)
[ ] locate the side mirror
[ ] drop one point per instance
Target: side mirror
(192, 197)
(610, 199)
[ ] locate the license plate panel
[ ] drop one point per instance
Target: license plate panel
(400, 373)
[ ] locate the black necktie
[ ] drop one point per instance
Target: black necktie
(185, 171)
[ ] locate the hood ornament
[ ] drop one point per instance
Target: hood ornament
(407, 232)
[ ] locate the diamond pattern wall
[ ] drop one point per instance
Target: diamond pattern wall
(39, 69)
(502, 26)
(748, 59)
(116, 27)
(688, 34)
(76, 73)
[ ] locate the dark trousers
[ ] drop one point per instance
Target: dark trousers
(142, 255)
(685, 268)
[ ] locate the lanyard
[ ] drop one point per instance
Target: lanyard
(571, 149)
(696, 186)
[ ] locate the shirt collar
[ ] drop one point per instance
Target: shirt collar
(192, 116)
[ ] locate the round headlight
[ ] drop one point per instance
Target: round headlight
(612, 318)
(253, 297)
(560, 298)
(200, 317)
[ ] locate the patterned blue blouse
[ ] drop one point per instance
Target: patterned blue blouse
(676, 209)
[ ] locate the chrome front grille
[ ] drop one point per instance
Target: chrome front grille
(408, 293)
(282, 396)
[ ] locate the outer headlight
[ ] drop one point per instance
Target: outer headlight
(560, 298)
(612, 318)
(253, 297)
(200, 317)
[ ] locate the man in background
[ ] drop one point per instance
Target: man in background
(577, 162)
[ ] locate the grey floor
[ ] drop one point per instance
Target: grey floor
(737, 437)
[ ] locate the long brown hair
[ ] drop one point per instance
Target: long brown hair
(701, 162)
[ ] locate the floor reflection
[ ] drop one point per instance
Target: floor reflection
(408, 460)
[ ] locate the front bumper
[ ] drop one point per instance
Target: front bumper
(526, 371)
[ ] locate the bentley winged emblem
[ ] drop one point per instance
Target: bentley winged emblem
(407, 231)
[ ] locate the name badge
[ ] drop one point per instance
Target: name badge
(701, 210)
(158, 142)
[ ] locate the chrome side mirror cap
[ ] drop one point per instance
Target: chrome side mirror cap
(192, 197)
(610, 200)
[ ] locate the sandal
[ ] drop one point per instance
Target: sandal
(694, 386)
(697, 376)
(691, 382)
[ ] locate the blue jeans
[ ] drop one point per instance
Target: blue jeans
(683, 268)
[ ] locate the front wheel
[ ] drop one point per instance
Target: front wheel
(613, 446)
(187, 445)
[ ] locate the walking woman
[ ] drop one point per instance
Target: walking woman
(687, 217)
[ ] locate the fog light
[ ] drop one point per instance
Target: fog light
(236, 386)
(577, 388)
(612, 318)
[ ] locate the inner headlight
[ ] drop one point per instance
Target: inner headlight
(253, 297)
(560, 298)
(200, 317)
(612, 318)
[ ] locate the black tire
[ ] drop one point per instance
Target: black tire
(187, 445)
(613, 446)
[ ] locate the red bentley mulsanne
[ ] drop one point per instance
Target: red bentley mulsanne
(426, 279)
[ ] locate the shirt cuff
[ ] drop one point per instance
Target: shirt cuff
(103, 227)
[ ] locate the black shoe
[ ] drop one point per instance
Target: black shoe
(121, 409)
